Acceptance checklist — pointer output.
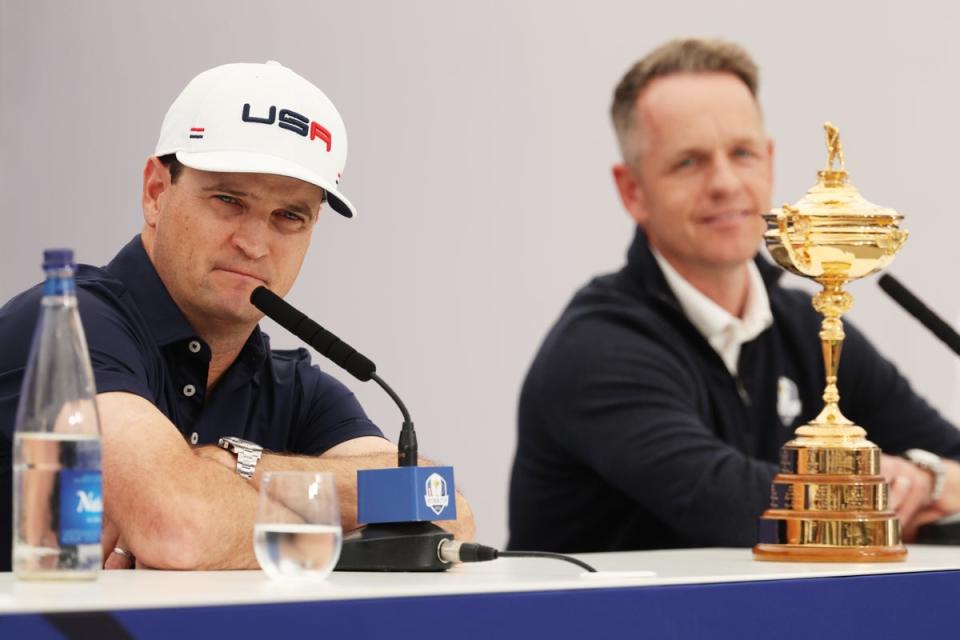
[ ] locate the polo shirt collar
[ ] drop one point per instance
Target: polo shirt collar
(645, 273)
(133, 268)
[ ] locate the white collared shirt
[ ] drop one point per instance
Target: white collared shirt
(725, 332)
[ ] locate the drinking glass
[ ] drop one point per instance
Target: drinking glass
(297, 533)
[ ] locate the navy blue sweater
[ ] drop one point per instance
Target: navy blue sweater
(634, 435)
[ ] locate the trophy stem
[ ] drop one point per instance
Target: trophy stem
(832, 302)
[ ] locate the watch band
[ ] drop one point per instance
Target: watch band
(932, 464)
(248, 454)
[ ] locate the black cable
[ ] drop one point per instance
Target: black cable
(455, 551)
(546, 554)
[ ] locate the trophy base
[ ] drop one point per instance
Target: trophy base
(822, 536)
(799, 553)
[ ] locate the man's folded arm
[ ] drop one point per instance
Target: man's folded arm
(173, 509)
(343, 461)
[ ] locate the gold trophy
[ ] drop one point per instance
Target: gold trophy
(829, 501)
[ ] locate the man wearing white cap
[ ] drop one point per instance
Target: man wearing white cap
(194, 404)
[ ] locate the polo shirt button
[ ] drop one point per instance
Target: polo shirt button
(194, 438)
(194, 346)
(189, 390)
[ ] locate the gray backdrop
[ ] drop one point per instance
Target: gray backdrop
(479, 162)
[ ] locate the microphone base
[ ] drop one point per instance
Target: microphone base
(398, 546)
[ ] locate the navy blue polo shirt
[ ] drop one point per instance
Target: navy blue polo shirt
(141, 343)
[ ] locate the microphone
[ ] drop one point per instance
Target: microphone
(920, 311)
(329, 345)
(398, 505)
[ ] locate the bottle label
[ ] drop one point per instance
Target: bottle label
(81, 507)
(59, 287)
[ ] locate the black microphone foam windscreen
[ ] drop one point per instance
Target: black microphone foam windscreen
(329, 345)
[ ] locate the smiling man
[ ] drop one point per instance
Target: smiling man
(194, 404)
(653, 415)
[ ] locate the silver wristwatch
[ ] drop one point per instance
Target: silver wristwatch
(931, 463)
(248, 454)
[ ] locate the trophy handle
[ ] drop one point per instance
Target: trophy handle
(801, 223)
(894, 240)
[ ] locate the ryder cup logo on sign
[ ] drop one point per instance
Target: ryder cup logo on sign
(436, 496)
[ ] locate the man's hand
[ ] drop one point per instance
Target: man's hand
(947, 504)
(117, 560)
(909, 497)
(110, 539)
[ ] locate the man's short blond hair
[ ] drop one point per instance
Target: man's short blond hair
(689, 55)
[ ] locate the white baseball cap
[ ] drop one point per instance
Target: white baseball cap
(258, 118)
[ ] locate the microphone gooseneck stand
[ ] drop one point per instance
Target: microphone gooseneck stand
(396, 546)
(385, 546)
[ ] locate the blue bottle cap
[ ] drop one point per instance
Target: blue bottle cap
(57, 258)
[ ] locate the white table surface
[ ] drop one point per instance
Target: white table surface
(116, 590)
